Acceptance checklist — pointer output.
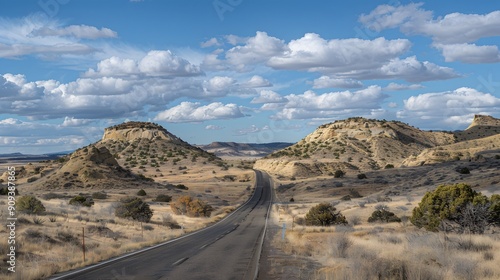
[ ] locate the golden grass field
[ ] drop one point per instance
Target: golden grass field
(363, 250)
(52, 242)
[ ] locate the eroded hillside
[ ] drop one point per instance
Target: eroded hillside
(359, 144)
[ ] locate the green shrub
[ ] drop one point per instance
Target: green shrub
(30, 204)
(361, 176)
(81, 201)
(494, 210)
(5, 191)
(141, 192)
(456, 207)
(51, 195)
(163, 198)
(354, 193)
(99, 195)
(389, 166)
(383, 216)
(345, 198)
(463, 170)
(339, 174)
(134, 208)
(32, 179)
(324, 214)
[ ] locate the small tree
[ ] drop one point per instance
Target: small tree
(463, 170)
(362, 176)
(494, 210)
(81, 201)
(30, 204)
(141, 192)
(454, 206)
(163, 198)
(324, 214)
(339, 174)
(383, 215)
(134, 208)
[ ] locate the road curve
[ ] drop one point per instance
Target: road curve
(226, 250)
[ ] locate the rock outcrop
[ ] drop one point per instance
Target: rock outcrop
(131, 131)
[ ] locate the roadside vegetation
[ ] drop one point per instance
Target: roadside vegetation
(451, 233)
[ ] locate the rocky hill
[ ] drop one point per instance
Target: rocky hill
(146, 147)
(89, 168)
(358, 144)
(129, 154)
(232, 149)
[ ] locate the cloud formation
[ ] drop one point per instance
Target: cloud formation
(452, 34)
(156, 63)
(445, 108)
(195, 112)
(343, 61)
(76, 31)
(45, 37)
(327, 82)
(311, 105)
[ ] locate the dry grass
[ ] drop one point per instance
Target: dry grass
(51, 243)
(386, 251)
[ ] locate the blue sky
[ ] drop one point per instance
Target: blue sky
(240, 70)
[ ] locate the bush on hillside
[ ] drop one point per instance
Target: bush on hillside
(456, 208)
(384, 216)
(324, 214)
(30, 204)
(134, 208)
(163, 198)
(81, 201)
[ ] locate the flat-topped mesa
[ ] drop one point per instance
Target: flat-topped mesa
(130, 131)
(484, 120)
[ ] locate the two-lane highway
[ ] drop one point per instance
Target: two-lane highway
(226, 250)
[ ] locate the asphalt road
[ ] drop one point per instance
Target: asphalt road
(226, 250)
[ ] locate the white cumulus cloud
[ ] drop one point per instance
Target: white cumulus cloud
(452, 34)
(257, 81)
(441, 109)
(469, 53)
(310, 105)
(397, 87)
(195, 112)
(268, 96)
(328, 82)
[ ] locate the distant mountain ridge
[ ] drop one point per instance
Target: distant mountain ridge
(358, 144)
(233, 149)
(32, 157)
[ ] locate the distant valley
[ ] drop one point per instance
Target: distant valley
(244, 150)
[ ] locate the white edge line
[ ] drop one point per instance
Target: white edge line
(158, 245)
